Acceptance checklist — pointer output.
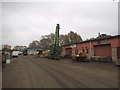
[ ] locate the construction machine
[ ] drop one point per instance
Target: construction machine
(55, 49)
(80, 57)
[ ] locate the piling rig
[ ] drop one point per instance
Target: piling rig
(55, 49)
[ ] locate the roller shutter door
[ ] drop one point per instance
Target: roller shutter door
(68, 51)
(103, 50)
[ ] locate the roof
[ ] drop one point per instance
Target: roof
(97, 39)
(34, 48)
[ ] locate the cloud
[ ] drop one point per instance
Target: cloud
(24, 22)
(0, 25)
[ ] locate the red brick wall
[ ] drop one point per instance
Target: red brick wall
(114, 42)
(86, 45)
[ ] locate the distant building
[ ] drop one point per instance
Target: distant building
(32, 51)
(6, 46)
(19, 47)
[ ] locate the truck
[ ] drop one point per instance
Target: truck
(25, 52)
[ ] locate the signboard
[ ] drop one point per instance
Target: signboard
(73, 46)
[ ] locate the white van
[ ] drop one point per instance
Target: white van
(15, 53)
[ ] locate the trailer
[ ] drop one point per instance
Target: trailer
(82, 57)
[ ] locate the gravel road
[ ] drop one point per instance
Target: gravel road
(33, 72)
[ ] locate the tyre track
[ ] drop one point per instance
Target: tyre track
(74, 81)
(99, 80)
(52, 75)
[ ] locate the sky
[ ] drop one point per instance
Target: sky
(0, 25)
(23, 22)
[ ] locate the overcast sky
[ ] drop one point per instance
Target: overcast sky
(23, 22)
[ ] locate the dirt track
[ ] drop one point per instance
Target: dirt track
(32, 72)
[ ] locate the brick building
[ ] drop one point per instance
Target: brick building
(108, 47)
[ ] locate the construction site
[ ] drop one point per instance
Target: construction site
(87, 64)
(64, 44)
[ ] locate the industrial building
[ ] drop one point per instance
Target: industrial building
(32, 51)
(106, 47)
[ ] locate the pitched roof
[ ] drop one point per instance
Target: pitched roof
(96, 39)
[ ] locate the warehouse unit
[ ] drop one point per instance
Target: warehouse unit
(32, 51)
(104, 47)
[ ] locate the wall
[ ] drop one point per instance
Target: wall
(115, 42)
(31, 51)
(114, 54)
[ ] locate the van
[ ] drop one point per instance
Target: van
(15, 53)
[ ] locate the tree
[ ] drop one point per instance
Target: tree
(47, 40)
(6, 47)
(72, 37)
(100, 36)
(45, 43)
(62, 38)
(34, 44)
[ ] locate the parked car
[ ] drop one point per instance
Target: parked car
(15, 53)
(25, 52)
(20, 52)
